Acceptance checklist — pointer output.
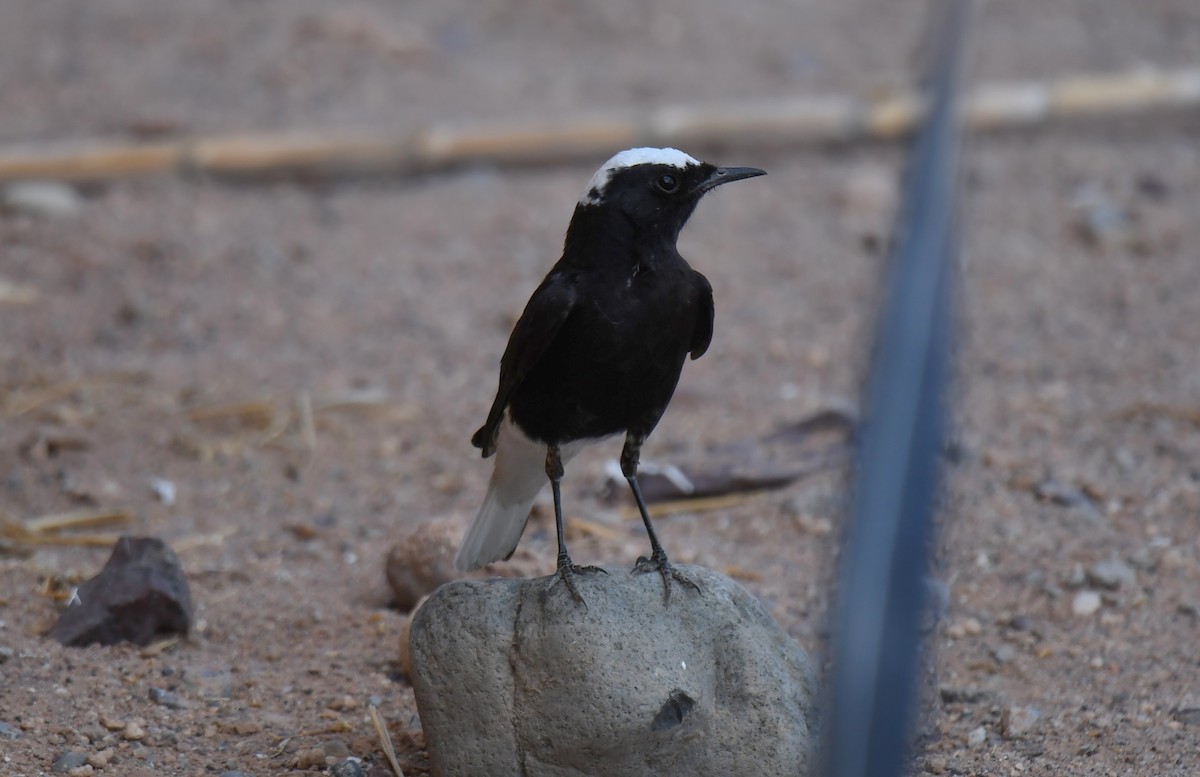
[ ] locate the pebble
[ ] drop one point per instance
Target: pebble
(164, 490)
(1016, 721)
(1004, 654)
(233, 773)
(967, 627)
(1085, 603)
(977, 737)
(168, 699)
(8, 732)
(421, 560)
(350, 767)
(45, 199)
(962, 695)
(343, 703)
(100, 760)
(6, 653)
(112, 724)
(68, 761)
(81, 771)
(1112, 574)
(335, 748)
(133, 732)
(313, 757)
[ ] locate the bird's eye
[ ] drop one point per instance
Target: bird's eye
(667, 183)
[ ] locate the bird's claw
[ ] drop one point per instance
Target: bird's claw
(658, 562)
(566, 575)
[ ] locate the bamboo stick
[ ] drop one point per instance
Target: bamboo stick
(785, 122)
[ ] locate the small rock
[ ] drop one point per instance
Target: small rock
(100, 760)
(133, 732)
(1086, 603)
(112, 724)
(936, 764)
(169, 699)
(68, 761)
(243, 728)
(952, 695)
(1189, 716)
(335, 748)
(349, 767)
(1065, 494)
(233, 773)
(1017, 721)
(1112, 574)
(977, 737)
(422, 560)
(44, 199)
(141, 595)
(8, 732)
(343, 703)
(81, 771)
(967, 627)
(164, 490)
(1004, 653)
(1189, 608)
(312, 758)
(6, 653)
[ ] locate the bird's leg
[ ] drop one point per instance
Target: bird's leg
(630, 455)
(566, 568)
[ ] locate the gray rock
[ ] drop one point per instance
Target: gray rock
(1086, 603)
(140, 595)
(46, 199)
(349, 767)
(512, 679)
(168, 699)
(68, 761)
(1017, 721)
(1112, 574)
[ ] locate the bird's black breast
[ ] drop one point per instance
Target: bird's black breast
(616, 360)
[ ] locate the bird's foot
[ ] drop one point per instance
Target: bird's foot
(566, 575)
(658, 562)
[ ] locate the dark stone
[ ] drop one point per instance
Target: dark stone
(678, 705)
(68, 761)
(962, 695)
(349, 767)
(141, 595)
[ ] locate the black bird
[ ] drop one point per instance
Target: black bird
(599, 348)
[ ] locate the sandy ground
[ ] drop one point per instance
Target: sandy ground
(1078, 414)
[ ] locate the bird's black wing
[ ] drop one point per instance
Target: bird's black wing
(703, 331)
(544, 315)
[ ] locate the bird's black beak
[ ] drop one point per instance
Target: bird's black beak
(728, 174)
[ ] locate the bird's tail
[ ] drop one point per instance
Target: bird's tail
(519, 475)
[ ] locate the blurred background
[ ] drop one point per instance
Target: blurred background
(279, 374)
